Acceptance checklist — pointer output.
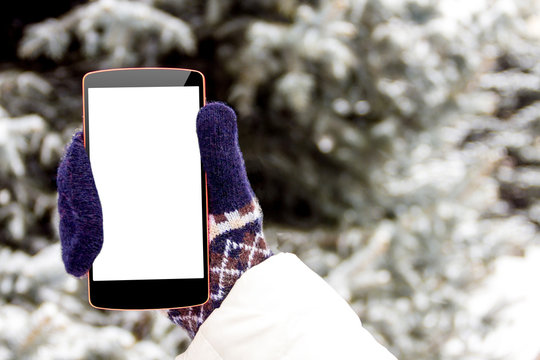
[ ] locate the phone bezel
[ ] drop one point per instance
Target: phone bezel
(148, 294)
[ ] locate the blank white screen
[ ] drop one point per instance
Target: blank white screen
(146, 165)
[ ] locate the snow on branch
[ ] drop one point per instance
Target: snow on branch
(126, 31)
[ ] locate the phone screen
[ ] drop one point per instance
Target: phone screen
(146, 164)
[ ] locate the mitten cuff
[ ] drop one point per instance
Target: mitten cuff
(236, 244)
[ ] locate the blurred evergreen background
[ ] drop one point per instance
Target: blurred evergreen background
(394, 146)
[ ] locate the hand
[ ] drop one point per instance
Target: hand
(236, 241)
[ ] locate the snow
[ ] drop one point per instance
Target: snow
(512, 283)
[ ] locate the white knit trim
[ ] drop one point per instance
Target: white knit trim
(234, 220)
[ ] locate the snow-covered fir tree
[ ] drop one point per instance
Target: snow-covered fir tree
(394, 146)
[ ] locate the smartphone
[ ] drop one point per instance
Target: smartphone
(140, 136)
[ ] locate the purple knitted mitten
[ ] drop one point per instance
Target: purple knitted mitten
(236, 238)
(235, 221)
(81, 219)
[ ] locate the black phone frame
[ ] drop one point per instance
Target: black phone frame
(148, 294)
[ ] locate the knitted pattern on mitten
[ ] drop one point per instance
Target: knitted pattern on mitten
(235, 221)
(236, 244)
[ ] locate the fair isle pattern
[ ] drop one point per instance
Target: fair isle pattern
(220, 224)
(236, 247)
(229, 270)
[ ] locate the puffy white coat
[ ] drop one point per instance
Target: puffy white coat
(280, 309)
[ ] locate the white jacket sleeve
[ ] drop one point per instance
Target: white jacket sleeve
(280, 309)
